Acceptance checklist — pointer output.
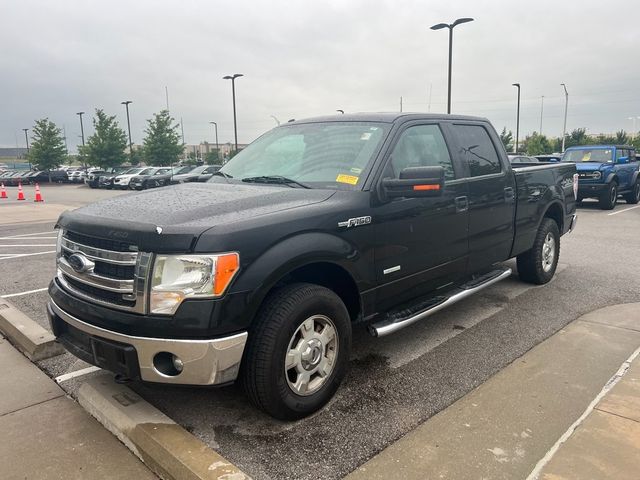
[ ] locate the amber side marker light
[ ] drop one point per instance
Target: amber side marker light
(426, 187)
(226, 267)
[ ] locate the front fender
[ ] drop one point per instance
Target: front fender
(292, 253)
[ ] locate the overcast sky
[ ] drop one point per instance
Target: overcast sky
(307, 58)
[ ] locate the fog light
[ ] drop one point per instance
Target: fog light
(168, 364)
(177, 363)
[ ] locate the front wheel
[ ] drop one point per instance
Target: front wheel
(609, 198)
(633, 196)
(298, 351)
(539, 264)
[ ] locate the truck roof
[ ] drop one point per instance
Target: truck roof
(385, 117)
(604, 145)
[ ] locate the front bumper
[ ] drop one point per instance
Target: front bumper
(206, 362)
(591, 189)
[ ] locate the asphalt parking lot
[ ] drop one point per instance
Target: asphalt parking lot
(396, 382)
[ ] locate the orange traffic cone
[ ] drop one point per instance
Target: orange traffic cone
(20, 192)
(3, 192)
(38, 194)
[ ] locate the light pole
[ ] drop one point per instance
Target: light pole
(217, 149)
(517, 118)
(233, 93)
(26, 137)
(541, 111)
(275, 119)
(81, 130)
(126, 106)
(450, 26)
(566, 107)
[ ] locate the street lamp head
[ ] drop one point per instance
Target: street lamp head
(126, 102)
(213, 123)
(232, 77)
(461, 20)
(516, 85)
(80, 113)
(440, 26)
(341, 111)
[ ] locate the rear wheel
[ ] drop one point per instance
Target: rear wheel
(539, 264)
(633, 196)
(609, 197)
(298, 351)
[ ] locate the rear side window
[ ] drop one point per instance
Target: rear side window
(477, 149)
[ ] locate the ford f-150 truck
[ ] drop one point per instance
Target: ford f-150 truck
(260, 273)
(606, 172)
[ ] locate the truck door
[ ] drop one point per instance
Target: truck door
(624, 171)
(421, 243)
(492, 191)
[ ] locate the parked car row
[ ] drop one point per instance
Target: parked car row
(142, 178)
(30, 177)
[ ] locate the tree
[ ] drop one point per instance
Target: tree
(537, 144)
(621, 137)
(47, 148)
(163, 144)
(213, 158)
(507, 139)
(105, 148)
(577, 136)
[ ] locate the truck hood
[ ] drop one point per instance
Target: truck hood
(170, 219)
(591, 166)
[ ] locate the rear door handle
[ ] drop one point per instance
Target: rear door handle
(462, 204)
(509, 195)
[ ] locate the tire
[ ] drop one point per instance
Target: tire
(633, 196)
(609, 198)
(538, 265)
(280, 325)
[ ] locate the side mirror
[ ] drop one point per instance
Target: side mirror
(415, 182)
(623, 160)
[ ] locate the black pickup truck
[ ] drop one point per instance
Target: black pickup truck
(260, 273)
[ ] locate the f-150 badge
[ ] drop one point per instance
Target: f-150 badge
(354, 222)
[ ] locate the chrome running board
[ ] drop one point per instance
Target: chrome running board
(386, 327)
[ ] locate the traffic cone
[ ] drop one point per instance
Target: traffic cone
(20, 192)
(38, 194)
(3, 192)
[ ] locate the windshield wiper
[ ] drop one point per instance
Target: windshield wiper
(222, 174)
(277, 179)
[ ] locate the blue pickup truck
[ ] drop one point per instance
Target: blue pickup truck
(606, 172)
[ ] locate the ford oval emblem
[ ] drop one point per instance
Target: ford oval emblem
(80, 263)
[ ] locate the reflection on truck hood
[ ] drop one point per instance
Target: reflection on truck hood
(171, 218)
(591, 166)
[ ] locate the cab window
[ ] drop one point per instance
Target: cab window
(420, 146)
(477, 150)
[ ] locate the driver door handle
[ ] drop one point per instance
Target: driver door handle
(462, 204)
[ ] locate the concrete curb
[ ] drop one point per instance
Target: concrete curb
(164, 446)
(26, 335)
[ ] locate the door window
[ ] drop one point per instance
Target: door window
(477, 149)
(420, 146)
(620, 153)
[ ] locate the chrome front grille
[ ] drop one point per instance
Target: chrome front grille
(113, 278)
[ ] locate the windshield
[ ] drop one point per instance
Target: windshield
(133, 171)
(600, 155)
(330, 154)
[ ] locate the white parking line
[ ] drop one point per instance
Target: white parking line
(30, 234)
(77, 373)
(622, 211)
(21, 238)
(10, 295)
(25, 245)
(20, 255)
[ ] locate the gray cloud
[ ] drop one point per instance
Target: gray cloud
(307, 58)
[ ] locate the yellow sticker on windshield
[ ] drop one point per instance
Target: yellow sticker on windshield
(586, 157)
(350, 179)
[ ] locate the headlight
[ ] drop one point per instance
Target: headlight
(176, 277)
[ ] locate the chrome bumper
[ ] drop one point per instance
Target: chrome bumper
(206, 362)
